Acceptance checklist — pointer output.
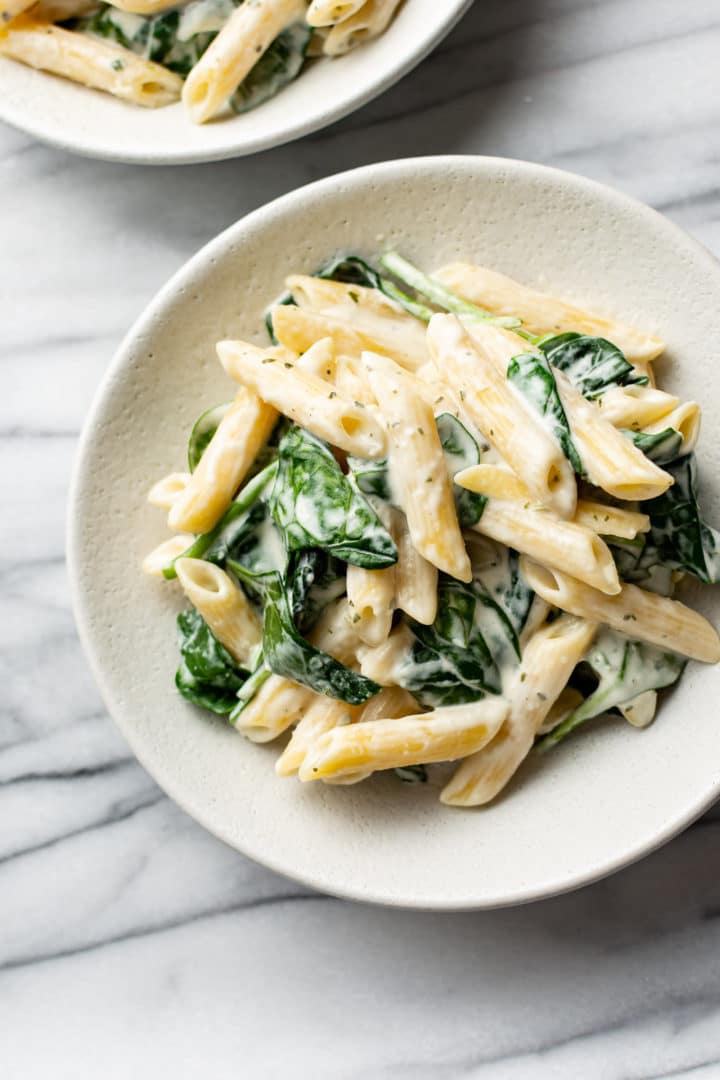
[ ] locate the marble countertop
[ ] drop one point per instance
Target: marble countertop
(133, 944)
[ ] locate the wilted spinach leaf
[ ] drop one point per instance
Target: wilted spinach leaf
(684, 541)
(532, 375)
(208, 676)
(624, 669)
(461, 451)
(287, 653)
(278, 66)
(593, 364)
(662, 447)
(315, 505)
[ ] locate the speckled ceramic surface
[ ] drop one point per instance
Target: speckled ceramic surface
(98, 125)
(598, 802)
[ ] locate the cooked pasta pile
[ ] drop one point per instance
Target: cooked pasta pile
(212, 54)
(441, 520)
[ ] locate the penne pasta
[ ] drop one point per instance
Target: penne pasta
(418, 469)
(277, 705)
(443, 735)
(234, 52)
(685, 419)
(382, 662)
(610, 520)
(556, 543)
(611, 461)
(371, 602)
(635, 407)
(548, 662)
(366, 23)
(505, 421)
(223, 606)
(305, 398)
(327, 12)
(541, 313)
(635, 612)
(298, 327)
(243, 431)
(168, 490)
(97, 64)
(416, 579)
(161, 556)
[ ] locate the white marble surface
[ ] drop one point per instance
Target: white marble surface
(132, 944)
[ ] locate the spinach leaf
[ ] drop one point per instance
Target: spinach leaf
(353, 270)
(250, 688)
(156, 37)
(450, 662)
(593, 364)
(314, 579)
(443, 299)
(638, 562)
(315, 505)
(278, 66)
(208, 676)
(624, 668)
(532, 375)
(475, 634)
(203, 430)
(461, 451)
(662, 447)
(371, 477)
(412, 774)
(218, 539)
(287, 653)
(683, 539)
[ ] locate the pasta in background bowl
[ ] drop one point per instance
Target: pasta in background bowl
(609, 793)
(134, 80)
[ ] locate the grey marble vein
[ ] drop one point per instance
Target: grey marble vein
(132, 943)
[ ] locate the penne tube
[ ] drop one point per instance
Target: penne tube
(416, 579)
(418, 469)
(495, 481)
(298, 327)
(335, 633)
(58, 10)
(381, 663)
(640, 712)
(541, 313)
(142, 7)
(83, 59)
(326, 715)
(556, 543)
(351, 381)
(371, 593)
(223, 606)
(612, 461)
(548, 661)
(371, 20)
(319, 359)
(241, 434)
(635, 612)
(161, 556)
(635, 407)
(9, 9)
(390, 743)
(610, 520)
(277, 705)
(368, 311)
(504, 418)
(685, 419)
(327, 12)
(323, 715)
(168, 490)
(247, 34)
(304, 397)
(567, 702)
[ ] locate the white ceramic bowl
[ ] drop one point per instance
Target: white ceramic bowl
(98, 125)
(601, 800)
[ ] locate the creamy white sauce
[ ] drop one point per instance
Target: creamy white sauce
(203, 17)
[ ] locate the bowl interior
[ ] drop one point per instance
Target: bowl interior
(96, 124)
(605, 797)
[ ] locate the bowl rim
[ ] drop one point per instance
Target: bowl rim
(564, 883)
(101, 149)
